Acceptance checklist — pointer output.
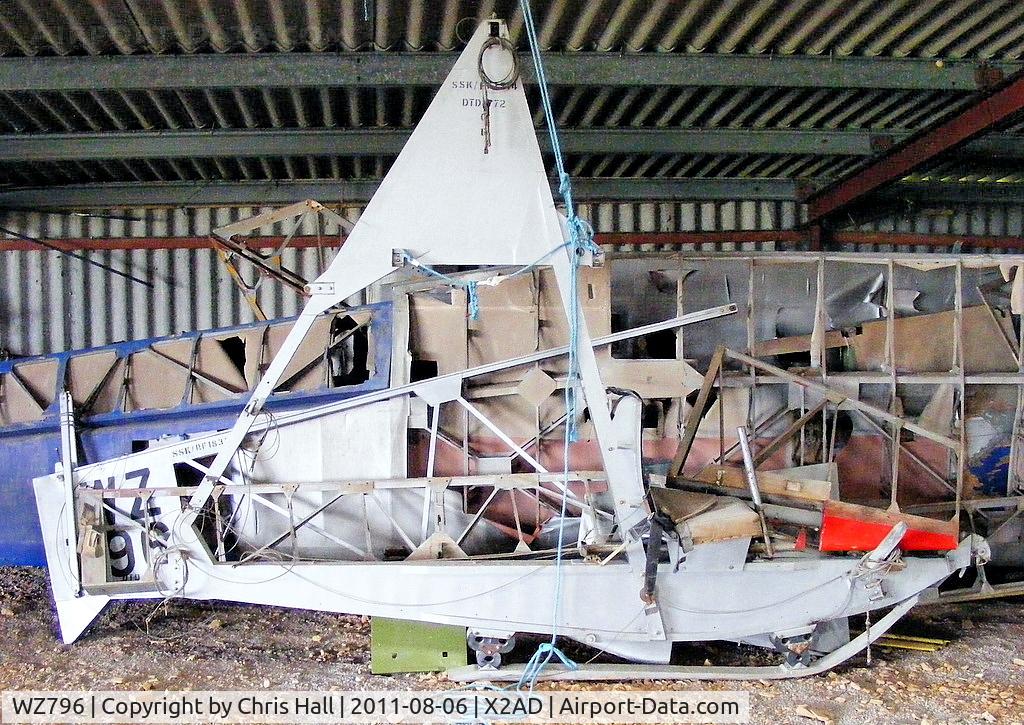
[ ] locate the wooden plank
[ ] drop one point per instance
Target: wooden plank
(696, 414)
(769, 482)
(765, 453)
(798, 343)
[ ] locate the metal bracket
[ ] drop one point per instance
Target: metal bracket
(320, 288)
(489, 649)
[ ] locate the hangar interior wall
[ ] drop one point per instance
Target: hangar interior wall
(51, 301)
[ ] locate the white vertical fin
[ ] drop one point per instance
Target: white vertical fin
(444, 198)
(74, 613)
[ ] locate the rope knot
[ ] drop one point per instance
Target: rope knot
(546, 652)
(472, 297)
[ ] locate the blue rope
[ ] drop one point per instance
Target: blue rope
(469, 285)
(581, 234)
(581, 241)
(544, 654)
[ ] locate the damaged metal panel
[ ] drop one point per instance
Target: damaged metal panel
(127, 395)
(911, 364)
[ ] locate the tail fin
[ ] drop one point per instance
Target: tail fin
(445, 199)
(74, 613)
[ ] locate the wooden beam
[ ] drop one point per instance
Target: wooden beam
(793, 429)
(696, 414)
(798, 343)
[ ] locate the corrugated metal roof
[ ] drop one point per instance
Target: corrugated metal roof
(584, 106)
(954, 29)
(899, 28)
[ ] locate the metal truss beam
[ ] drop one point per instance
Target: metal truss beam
(263, 70)
(988, 112)
(358, 191)
(245, 193)
(389, 142)
(297, 142)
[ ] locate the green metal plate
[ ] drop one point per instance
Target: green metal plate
(398, 645)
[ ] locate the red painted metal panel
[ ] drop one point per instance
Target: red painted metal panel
(720, 237)
(840, 533)
(96, 244)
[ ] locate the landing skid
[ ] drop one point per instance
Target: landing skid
(977, 593)
(601, 672)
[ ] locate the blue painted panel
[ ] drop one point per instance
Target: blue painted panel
(992, 469)
(31, 450)
(22, 460)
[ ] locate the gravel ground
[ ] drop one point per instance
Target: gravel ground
(978, 677)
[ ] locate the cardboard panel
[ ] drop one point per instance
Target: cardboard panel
(651, 378)
(212, 362)
(258, 354)
(16, 404)
(438, 331)
(309, 355)
(40, 378)
(86, 372)
(108, 394)
(924, 343)
(154, 383)
(536, 387)
(595, 306)
(517, 317)
(261, 347)
(508, 324)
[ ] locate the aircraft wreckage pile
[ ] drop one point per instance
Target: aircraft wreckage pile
(852, 442)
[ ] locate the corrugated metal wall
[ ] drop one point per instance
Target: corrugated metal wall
(996, 219)
(50, 301)
(691, 217)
